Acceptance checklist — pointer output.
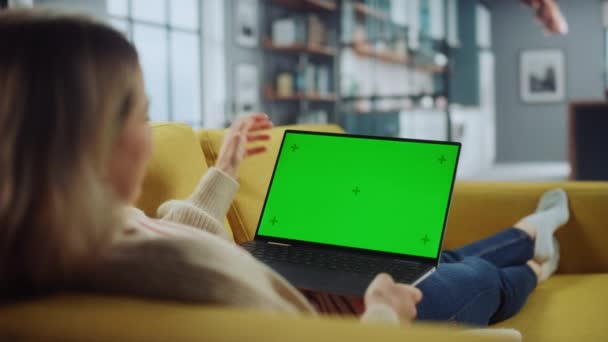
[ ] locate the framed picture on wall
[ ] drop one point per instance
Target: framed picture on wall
(246, 20)
(542, 76)
(247, 89)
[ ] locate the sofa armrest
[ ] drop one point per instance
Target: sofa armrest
(77, 318)
(481, 209)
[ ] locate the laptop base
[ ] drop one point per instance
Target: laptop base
(339, 277)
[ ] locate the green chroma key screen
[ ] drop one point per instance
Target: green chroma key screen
(372, 193)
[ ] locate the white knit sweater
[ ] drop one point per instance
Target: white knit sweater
(187, 255)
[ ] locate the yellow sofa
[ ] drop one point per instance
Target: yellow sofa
(571, 306)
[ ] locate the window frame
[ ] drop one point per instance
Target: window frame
(130, 20)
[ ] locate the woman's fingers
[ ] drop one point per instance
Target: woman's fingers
(242, 133)
(258, 116)
(402, 298)
(260, 119)
(258, 125)
(414, 292)
(256, 150)
(417, 295)
(257, 137)
(251, 123)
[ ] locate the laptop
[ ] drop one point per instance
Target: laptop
(342, 208)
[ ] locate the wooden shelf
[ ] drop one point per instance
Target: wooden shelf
(365, 50)
(300, 48)
(378, 112)
(321, 97)
(271, 95)
(323, 5)
(300, 97)
(432, 68)
(397, 110)
(376, 97)
(367, 11)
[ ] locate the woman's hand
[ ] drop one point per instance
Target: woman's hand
(234, 147)
(400, 297)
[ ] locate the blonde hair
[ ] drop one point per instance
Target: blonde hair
(67, 84)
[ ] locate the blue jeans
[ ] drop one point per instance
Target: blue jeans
(483, 283)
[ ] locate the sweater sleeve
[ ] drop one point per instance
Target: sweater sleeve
(211, 272)
(207, 206)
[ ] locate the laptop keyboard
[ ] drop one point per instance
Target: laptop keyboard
(365, 266)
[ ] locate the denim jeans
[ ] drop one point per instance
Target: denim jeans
(483, 283)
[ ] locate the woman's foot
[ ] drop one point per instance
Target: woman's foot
(535, 267)
(548, 268)
(551, 213)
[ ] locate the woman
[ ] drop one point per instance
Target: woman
(74, 142)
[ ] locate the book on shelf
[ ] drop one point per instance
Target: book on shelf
(309, 77)
(316, 31)
(285, 84)
(312, 80)
(322, 79)
(306, 30)
(288, 31)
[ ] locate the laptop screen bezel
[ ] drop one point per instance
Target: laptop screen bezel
(355, 249)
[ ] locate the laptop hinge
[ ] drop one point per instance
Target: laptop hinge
(279, 243)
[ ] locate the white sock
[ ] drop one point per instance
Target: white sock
(550, 266)
(551, 213)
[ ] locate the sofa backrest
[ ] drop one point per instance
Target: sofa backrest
(480, 209)
(254, 176)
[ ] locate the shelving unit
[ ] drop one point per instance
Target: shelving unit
(299, 48)
(403, 85)
(383, 56)
(324, 5)
(270, 95)
(378, 43)
(375, 38)
(297, 58)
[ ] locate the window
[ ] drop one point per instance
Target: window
(167, 35)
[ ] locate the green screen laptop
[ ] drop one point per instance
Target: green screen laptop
(342, 208)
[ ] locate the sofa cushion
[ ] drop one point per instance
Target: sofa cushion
(481, 209)
(175, 168)
(87, 318)
(565, 308)
(254, 176)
